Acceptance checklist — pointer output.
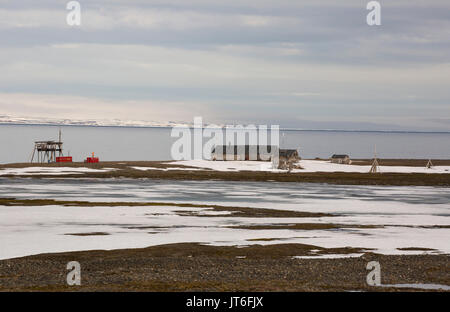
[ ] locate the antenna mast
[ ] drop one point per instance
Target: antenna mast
(374, 168)
(60, 143)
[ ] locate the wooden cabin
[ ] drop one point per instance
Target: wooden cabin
(341, 159)
(252, 152)
(242, 152)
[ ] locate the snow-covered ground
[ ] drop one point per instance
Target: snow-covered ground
(227, 165)
(326, 166)
(307, 165)
(24, 120)
(405, 216)
(34, 230)
(50, 170)
(164, 169)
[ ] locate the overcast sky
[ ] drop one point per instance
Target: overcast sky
(305, 64)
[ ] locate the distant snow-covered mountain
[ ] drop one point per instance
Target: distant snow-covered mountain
(5, 119)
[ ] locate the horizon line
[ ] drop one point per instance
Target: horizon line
(192, 127)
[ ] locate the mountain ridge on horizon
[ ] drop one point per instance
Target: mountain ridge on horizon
(10, 120)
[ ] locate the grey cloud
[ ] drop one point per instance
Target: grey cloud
(239, 57)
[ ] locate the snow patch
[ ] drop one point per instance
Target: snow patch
(307, 165)
(50, 170)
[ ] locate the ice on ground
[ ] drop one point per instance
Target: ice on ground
(307, 165)
(330, 256)
(164, 169)
(29, 230)
(50, 170)
(406, 220)
(227, 165)
(419, 286)
(326, 166)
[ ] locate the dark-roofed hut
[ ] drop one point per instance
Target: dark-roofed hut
(286, 160)
(341, 159)
(243, 152)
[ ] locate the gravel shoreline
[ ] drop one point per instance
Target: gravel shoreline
(195, 267)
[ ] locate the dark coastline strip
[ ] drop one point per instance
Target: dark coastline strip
(334, 178)
(123, 169)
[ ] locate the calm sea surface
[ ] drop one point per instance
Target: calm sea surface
(127, 143)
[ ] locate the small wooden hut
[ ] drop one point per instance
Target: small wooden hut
(341, 159)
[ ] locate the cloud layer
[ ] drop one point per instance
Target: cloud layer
(295, 63)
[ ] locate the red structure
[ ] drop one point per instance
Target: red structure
(91, 160)
(64, 159)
